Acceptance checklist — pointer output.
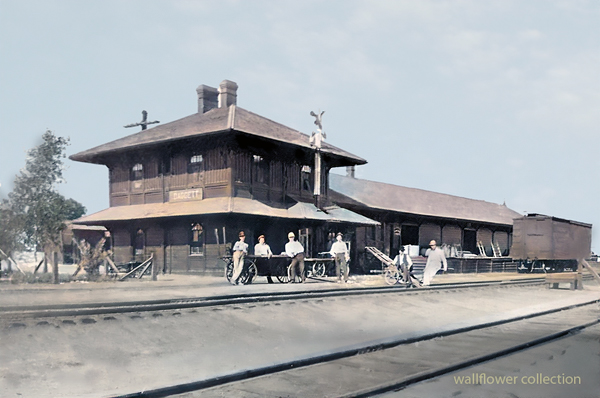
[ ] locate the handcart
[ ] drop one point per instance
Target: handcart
(391, 273)
(277, 266)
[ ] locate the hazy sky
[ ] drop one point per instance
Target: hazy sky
(492, 100)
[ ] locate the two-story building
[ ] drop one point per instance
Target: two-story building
(183, 190)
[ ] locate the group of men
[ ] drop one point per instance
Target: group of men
(435, 260)
(339, 251)
(294, 250)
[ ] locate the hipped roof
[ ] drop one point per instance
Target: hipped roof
(225, 205)
(381, 196)
(215, 121)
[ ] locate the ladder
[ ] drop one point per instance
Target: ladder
(380, 256)
(402, 273)
(496, 250)
(481, 249)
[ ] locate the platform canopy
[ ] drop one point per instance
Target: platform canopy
(225, 205)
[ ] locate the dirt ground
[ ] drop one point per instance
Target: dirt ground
(99, 356)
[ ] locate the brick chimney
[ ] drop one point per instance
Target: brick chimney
(227, 93)
(208, 98)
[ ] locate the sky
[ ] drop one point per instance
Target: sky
(497, 100)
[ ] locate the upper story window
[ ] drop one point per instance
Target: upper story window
(261, 169)
(137, 172)
(196, 164)
(305, 178)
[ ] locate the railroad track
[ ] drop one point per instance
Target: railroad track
(11, 313)
(391, 365)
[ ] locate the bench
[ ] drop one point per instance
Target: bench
(573, 278)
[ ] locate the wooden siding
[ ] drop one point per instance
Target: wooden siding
(178, 177)
(119, 180)
(501, 239)
(428, 232)
(154, 236)
(119, 200)
(152, 180)
(451, 235)
(484, 235)
(137, 199)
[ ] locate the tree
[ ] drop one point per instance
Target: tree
(9, 229)
(39, 210)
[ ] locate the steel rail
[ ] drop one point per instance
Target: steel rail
(308, 361)
(45, 311)
(397, 386)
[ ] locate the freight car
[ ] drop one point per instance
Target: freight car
(543, 243)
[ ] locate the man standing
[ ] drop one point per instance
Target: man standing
(404, 264)
(240, 249)
(435, 260)
(339, 251)
(295, 250)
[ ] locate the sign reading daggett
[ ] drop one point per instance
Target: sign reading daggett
(185, 195)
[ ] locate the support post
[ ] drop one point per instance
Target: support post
(55, 266)
(154, 269)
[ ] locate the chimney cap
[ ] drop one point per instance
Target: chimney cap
(227, 93)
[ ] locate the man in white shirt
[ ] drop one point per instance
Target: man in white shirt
(435, 260)
(339, 251)
(240, 249)
(263, 250)
(295, 250)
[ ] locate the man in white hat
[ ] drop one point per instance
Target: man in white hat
(295, 250)
(435, 260)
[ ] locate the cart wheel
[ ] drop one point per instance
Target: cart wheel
(229, 271)
(318, 269)
(287, 278)
(252, 272)
(391, 276)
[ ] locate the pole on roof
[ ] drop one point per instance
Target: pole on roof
(316, 140)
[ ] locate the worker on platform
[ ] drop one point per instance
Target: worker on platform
(339, 251)
(295, 250)
(404, 264)
(435, 260)
(263, 250)
(240, 249)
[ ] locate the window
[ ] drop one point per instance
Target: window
(196, 164)
(261, 169)
(137, 172)
(306, 186)
(196, 240)
(140, 242)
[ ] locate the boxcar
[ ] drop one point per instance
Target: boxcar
(549, 243)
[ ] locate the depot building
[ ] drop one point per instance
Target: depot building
(181, 191)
